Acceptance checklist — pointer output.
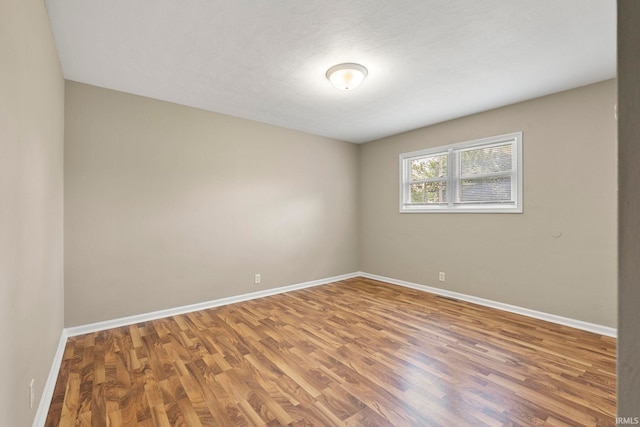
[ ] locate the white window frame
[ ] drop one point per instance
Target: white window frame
(453, 177)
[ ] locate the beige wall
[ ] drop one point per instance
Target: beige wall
(31, 192)
(629, 205)
(167, 205)
(569, 144)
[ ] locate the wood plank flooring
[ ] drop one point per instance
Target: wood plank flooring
(352, 353)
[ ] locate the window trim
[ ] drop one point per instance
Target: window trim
(453, 150)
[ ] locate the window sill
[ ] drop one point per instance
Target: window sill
(475, 209)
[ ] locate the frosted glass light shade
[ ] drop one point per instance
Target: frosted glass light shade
(346, 76)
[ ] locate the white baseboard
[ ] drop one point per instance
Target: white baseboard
(573, 323)
(50, 384)
(131, 320)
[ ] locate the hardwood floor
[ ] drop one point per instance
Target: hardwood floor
(352, 353)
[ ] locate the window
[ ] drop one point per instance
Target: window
(484, 175)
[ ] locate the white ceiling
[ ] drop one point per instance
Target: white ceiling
(265, 60)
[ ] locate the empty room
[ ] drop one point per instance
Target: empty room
(306, 213)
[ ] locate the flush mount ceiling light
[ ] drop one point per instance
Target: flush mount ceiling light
(347, 76)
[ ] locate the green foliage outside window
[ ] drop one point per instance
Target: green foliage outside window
(434, 167)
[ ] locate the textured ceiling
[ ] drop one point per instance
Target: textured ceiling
(428, 60)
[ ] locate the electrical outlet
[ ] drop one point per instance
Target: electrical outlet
(31, 396)
(441, 276)
(258, 279)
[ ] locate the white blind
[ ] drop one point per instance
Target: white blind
(486, 174)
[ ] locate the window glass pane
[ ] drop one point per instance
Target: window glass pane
(436, 192)
(486, 160)
(485, 190)
(417, 193)
(429, 192)
(429, 167)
